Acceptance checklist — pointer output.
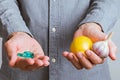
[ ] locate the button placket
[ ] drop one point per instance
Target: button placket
(53, 36)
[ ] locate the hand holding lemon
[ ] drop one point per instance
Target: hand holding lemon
(81, 55)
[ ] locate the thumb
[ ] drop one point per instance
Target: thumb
(97, 36)
(113, 50)
(13, 59)
(11, 51)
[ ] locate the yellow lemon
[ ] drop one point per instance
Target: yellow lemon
(81, 44)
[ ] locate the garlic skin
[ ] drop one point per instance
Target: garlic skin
(101, 48)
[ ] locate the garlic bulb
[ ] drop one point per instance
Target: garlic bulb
(101, 47)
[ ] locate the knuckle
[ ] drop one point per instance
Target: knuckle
(98, 62)
(68, 59)
(79, 68)
(89, 67)
(95, 62)
(102, 61)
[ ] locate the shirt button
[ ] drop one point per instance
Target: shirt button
(53, 29)
(53, 60)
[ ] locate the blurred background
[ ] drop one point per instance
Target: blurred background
(113, 65)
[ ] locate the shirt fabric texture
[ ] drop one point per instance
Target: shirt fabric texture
(53, 23)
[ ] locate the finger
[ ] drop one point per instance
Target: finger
(22, 63)
(112, 49)
(29, 61)
(95, 59)
(41, 63)
(13, 60)
(11, 51)
(84, 61)
(46, 63)
(65, 54)
(38, 56)
(45, 60)
(38, 64)
(73, 59)
(97, 36)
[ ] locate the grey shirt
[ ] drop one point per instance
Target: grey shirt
(52, 23)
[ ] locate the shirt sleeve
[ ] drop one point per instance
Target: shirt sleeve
(11, 18)
(102, 12)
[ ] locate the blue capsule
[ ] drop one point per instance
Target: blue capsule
(26, 54)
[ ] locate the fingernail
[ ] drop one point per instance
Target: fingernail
(41, 63)
(71, 56)
(46, 64)
(114, 57)
(88, 52)
(79, 55)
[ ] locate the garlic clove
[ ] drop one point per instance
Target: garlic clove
(101, 47)
(104, 52)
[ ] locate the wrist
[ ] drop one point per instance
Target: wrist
(18, 33)
(91, 25)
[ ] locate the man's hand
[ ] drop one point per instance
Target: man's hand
(93, 31)
(20, 42)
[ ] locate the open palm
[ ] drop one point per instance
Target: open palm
(21, 42)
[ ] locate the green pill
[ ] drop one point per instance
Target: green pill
(26, 54)
(20, 54)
